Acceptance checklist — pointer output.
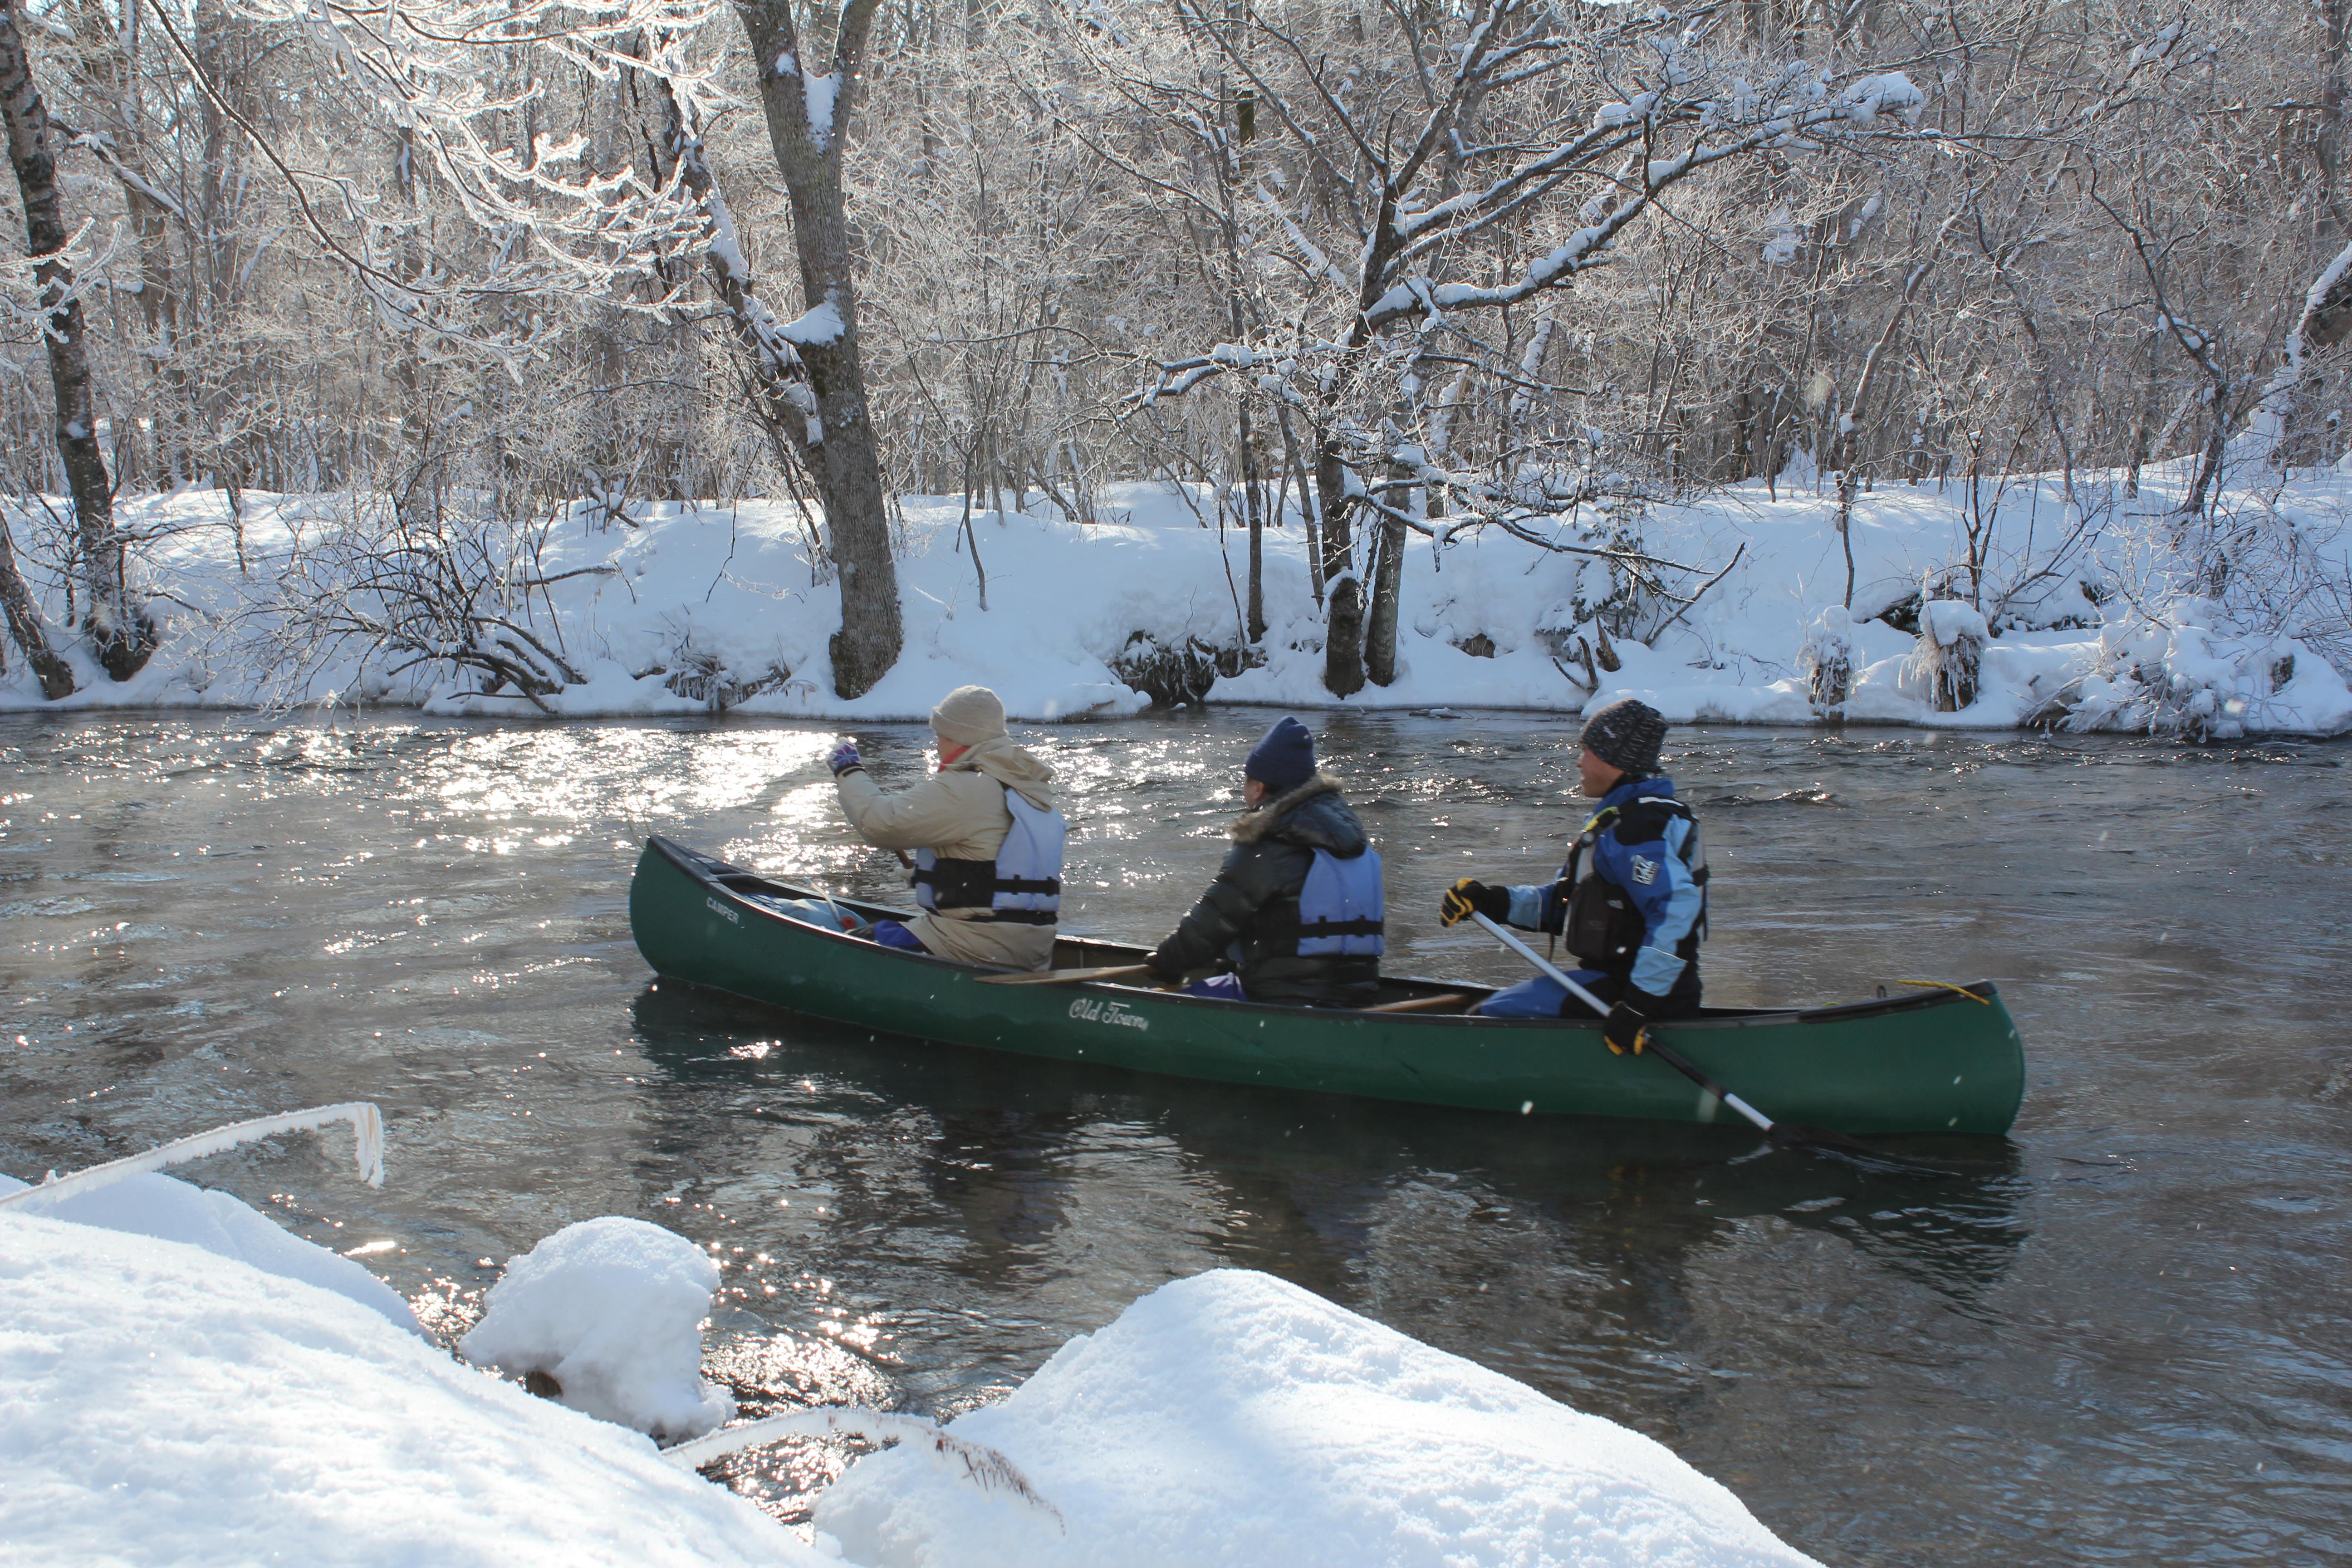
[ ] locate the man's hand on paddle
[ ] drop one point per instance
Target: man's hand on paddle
(1622, 1028)
(1468, 898)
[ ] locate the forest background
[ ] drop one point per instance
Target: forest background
(379, 299)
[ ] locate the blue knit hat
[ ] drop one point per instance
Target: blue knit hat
(1285, 757)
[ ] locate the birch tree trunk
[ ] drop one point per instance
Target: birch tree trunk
(807, 118)
(119, 631)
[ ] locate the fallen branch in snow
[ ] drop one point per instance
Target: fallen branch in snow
(366, 1121)
(1589, 682)
(1703, 587)
(983, 1465)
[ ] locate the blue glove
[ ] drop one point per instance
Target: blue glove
(845, 758)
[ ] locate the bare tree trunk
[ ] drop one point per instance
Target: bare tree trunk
(1388, 588)
(1343, 624)
(119, 631)
(1254, 498)
(109, 73)
(2143, 434)
(1296, 466)
(807, 123)
(2335, 15)
(25, 624)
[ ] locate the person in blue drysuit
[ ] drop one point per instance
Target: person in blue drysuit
(1631, 903)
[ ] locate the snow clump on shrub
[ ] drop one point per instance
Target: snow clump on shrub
(2183, 679)
(1947, 667)
(1828, 658)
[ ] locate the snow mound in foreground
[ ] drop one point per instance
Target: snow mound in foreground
(1232, 1419)
(612, 1310)
(171, 1210)
(159, 1404)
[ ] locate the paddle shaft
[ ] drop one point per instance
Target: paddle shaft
(1067, 977)
(1671, 1058)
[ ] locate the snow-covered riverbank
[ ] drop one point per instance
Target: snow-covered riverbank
(181, 1382)
(680, 605)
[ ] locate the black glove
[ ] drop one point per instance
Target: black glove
(1164, 968)
(1468, 898)
(1626, 1021)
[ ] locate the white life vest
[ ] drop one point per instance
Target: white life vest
(1022, 886)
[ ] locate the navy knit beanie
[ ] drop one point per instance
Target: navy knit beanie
(1627, 735)
(1284, 758)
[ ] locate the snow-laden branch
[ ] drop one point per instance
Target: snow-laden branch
(32, 302)
(438, 74)
(982, 1465)
(366, 1122)
(2270, 420)
(1741, 133)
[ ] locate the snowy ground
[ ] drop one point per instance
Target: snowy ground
(731, 589)
(180, 1382)
(164, 1399)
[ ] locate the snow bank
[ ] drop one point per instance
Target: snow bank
(162, 1405)
(612, 1310)
(674, 608)
(173, 1210)
(1234, 1420)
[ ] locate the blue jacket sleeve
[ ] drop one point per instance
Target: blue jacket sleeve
(1537, 908)
(1653, 872)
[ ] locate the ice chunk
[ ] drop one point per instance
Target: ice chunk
(612, 1310)
(1233, 1418)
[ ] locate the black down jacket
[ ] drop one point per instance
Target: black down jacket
(1253, 906)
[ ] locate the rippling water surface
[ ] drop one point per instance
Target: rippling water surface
(2120, 1337)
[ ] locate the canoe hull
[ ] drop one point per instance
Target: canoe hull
(1940, 1063)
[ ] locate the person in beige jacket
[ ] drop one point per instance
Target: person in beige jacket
(989, 801)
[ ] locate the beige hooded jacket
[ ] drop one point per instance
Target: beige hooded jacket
(959, 812)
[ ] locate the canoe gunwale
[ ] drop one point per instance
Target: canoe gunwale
(717, 876)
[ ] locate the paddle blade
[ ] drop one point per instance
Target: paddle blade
(1825, 1141)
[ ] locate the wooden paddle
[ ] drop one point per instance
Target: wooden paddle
(1067, 977)
(1419, 1004)
(1783, 1133)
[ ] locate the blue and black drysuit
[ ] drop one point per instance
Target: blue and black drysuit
(1631, 904)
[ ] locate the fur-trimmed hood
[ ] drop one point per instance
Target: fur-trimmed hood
(1314, 814)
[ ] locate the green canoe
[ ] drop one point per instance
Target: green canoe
(1934, 1061)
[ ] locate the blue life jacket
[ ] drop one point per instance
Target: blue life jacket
(1022, 886)
(1341, 907)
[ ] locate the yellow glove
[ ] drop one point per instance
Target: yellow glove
(1468, 898)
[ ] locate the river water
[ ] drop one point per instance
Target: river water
(2119, 1337)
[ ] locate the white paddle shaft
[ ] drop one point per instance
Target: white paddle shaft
(1540, 961)
(1553, 972)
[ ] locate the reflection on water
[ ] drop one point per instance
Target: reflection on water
(2119, 1337)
